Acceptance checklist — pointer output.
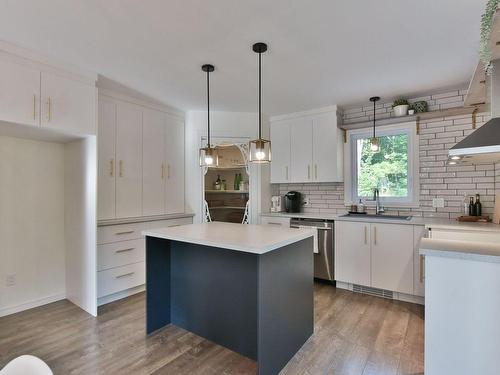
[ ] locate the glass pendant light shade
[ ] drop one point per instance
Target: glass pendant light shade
(208, 154)
(374, 141)
(374, 144)
(260, 149)
(208, 157)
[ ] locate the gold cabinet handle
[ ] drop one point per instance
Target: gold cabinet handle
(120, 167)
(49, 109)
(111, 167)
(286, 173)
(422, 268)
(124, 250)
(34, 107)
(374, 235)
(162, 171)
(316, 171)
(366, 239)
(126, 232)
(168, 171)
(308, 172)
(124, 275)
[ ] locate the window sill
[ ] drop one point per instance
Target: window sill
(387, 205)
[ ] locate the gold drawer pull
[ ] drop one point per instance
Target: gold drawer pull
(421, 268)
(124, 250)
(34, 107)
(126, 232)
(124, 275)
(112, 167)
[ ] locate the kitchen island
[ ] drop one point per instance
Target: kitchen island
(246, 287)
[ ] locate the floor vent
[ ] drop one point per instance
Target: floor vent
(372, 291)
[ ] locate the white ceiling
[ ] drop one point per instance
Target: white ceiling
(321, 52)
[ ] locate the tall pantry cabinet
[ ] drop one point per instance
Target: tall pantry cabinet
(141, 161)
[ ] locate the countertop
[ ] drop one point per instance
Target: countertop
(249, 238)
(428, 222)
(476, 251)
(141, 219)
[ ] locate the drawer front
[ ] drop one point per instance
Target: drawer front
(120, 253)
(120, 278)
(121, 232)
(277, 221)
(168, 223)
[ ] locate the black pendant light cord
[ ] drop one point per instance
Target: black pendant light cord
(208, 107)
(374, 119)
(260, 90)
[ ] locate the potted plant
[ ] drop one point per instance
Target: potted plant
(411, 110)
(400, 107)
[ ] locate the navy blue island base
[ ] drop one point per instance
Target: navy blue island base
(258, 305)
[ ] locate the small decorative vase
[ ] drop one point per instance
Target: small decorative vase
(401, 110)
(411, 112)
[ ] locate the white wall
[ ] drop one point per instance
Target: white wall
(31, 223)
(223, 125)
(80, 223)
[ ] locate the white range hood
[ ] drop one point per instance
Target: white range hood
(483, 145)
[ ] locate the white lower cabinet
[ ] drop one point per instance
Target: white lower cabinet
(419, 232)
(375, 255)
(121, 257)
(276, 221)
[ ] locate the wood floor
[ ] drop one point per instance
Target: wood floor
(354, 334)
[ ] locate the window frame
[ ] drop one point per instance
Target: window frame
(351, 165)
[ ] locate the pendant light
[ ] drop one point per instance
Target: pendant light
(208, 155)
(375, 142)
(260, 149)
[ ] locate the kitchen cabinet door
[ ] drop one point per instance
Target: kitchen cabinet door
(129, 160)
(153, 162)
(67, 105)
(328, 149)
(392, 257)
(280, 152)
(352, 252)
(301, 149)
(106, 162)
(419, 231)
(19, 94)
(175, 165)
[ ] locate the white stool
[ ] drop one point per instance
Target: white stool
(26, 365)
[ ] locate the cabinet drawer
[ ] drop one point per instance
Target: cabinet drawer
(121, 232)
(120, 278)
(120, 253)
(168, 223)
(277, 221)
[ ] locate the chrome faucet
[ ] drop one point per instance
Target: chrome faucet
(376, 197)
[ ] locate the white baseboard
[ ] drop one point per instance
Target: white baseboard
(397, 296)
(123, 294)
(4, 311)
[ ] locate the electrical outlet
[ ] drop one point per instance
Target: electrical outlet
(10, 280)
(306, 201)
(438, 202)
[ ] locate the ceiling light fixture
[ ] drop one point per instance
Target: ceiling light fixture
(208, 155)
(260, 149)
(374, 141)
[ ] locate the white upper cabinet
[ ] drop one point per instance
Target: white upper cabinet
(19, 94)
(67, 105)
(154, 169)
(307, 147)
(301, 150)
(128, 160)
(327, 141)
(280, 152)
(107, 162)
(175, 165)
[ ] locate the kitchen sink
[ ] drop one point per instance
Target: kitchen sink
(383, 217)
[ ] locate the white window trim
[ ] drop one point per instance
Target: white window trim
(413, 165)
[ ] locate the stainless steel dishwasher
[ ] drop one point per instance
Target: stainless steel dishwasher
(324, 258)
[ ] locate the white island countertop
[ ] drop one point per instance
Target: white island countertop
(249, 238)
(470, 250)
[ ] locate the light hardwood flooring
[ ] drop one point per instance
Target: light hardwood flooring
(354, 334)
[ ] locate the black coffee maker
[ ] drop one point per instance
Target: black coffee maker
(293, 201)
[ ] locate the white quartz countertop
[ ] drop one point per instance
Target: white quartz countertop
(477, 251)
(428, 222)
(249, 238)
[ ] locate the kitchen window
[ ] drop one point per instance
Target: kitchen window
(393, 169)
